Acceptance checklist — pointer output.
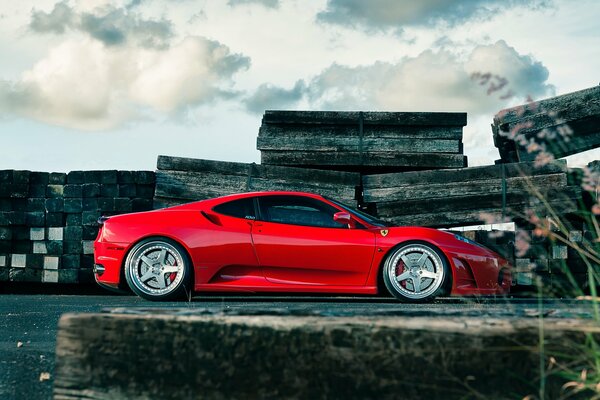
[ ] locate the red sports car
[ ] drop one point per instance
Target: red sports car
(288, 242)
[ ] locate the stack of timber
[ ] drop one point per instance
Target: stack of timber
(565, 125)
(367, 142)
(181, 180)
(559, 258)
(48, 221)
(459, 197)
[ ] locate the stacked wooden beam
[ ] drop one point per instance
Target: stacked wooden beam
(362, 141)
(564, 125)
(465, 196)
(181, 180)
(48, 221)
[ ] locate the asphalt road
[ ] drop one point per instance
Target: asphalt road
(28, 322)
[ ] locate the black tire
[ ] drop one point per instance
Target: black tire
(153, 258)
(432, 271)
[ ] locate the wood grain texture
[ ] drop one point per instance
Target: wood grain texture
(347, 160)
(158, 355)
(546, 122)
(462, 174)
(369, 118)
(355, 144)
(369, 131)
(180, 180)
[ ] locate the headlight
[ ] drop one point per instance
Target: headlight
(464, 239)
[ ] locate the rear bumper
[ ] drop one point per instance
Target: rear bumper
(108, 260)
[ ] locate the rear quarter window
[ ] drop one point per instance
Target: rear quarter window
(241, 208)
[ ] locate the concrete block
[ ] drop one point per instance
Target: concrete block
(73, 233)
(75, 177)
(38, 191)
(88, 247)
(69, 261)
(72, 247)
(53, 191)
(73, 191)
(35, 219)
(55, 205)
(40, 248)
(559, 252)
(49, 276)
(90, 190)
(55, 233)
(51, 262)
(35, 261)
(3, 261)
(5, 233)
(37, 233)
(57, 178)
(73, 206)
(68, 276)
(39, 178)
(55, 219)
(18, 260)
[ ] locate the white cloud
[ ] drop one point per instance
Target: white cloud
(432, 81)
(396, 14)
(269, 97)
(109, 24)
(265, 3)
(86, 85)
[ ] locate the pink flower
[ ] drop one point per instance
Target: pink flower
(522, 243)
(543, 158)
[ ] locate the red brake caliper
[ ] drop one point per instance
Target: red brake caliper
(400, 269)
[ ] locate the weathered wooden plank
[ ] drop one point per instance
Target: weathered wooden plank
(473, 217)
(577, 112)
(586, 136)
(355, 144)
(461, 174)
(478, 187)
(256, 170)
(225, 185)
(369, 131)
(580, 103)
(372, 118)
(470, 202)
(107, 356)
(357, 159)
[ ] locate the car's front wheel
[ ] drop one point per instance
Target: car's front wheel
(158, 269)
(415, 272)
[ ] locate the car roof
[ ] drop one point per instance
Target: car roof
(223, 199)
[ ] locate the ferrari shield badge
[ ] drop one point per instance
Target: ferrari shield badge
(384, 232)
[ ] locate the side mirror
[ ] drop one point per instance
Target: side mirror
(342, 218)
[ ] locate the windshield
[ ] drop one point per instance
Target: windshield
(360, 214)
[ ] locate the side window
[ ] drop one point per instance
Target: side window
(297, 210)
(242, 208)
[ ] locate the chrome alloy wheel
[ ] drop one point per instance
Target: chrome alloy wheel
(415, 271)
(156, 268)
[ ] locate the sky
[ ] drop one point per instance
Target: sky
(97, 84)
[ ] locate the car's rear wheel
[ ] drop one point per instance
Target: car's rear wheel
(415, 272)
(158, 269)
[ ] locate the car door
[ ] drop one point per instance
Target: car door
(298, 242)
(225, 251)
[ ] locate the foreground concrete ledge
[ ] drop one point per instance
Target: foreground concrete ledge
(145, 354)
